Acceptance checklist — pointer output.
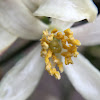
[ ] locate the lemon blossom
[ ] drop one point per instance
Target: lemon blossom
(17, 20)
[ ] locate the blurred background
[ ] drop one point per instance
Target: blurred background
(48, 88)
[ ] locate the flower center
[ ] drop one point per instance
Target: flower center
(54, 44)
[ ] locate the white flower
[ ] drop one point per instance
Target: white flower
(17, 19)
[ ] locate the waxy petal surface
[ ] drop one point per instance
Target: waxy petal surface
(68, 10)
(84, 77)
(22, 79)
(17, 19)
(88, 34)
(6, 39)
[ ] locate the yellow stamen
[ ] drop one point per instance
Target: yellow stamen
(45, 45)
(54, 30)
(68, 32)
(45, 33)
(50, 37)
(43, 52)
(52, 45)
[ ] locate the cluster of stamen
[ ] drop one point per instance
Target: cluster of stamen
(52, 45)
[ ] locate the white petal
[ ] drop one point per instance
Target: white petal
(84, 77)
(38, 2)
(68, 10)
(6, 39)
(31, 5)
(18, 20)
(23, 78)
(59, 24)
(88, 34)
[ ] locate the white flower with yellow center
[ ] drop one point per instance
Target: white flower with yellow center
(53, 45)
(17, 19)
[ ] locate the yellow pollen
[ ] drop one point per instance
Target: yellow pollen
(50, 37)
(54, 30)
(45, 33)
(45, 45)
(53, 45)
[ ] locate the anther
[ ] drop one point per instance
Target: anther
(53, 44)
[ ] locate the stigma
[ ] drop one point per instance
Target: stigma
(56, 44)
